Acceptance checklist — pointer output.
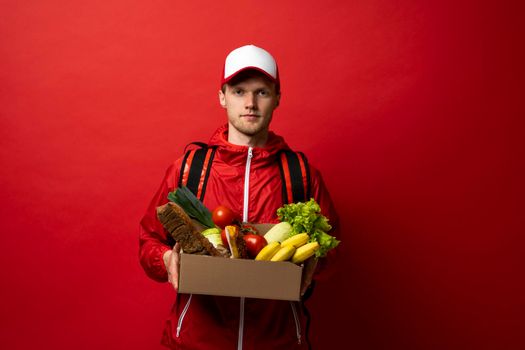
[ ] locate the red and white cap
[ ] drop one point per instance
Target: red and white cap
(247, 58)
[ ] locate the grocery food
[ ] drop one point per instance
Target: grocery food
(307, 217)
(304, 252)
(301, 234)
(213, 235)
(268, 251)
(223, 216)
(296, 240)
(236, 242)
(223, 238)
(192, 206)
(254, 244)
(179, 225)
(279, 232)
(284, 253)
(247, 228)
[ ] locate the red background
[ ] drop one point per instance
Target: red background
(410, 109)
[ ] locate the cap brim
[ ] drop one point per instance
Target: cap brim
(226, 80)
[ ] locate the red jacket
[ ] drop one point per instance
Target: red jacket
(212, 322)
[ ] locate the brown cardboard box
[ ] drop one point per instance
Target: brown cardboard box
(240, 277)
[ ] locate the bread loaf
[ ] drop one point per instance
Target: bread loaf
(181, 228)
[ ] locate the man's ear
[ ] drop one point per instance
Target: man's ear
(278, 100)
(222, 99)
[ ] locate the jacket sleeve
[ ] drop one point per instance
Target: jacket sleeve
(153, 238)
(322, 196)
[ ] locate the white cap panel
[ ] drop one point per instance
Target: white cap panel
(249, 56)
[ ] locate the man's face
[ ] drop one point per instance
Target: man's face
(249, 104)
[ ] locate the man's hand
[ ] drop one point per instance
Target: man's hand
(171, 261)
(308, 272)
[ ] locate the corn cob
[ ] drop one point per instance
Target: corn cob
(304, 252)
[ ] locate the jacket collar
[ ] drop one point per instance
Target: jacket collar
(236, 155)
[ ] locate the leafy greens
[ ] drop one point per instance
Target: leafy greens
(307, 217)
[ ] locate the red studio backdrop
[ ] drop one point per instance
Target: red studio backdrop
(409, 108)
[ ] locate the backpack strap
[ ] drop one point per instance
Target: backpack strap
(196, 143)
(295, 175)
(195, 169)
(293, 167)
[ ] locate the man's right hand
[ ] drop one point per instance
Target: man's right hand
(172, 262)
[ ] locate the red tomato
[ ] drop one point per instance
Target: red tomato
(223, 216)
(254, 244)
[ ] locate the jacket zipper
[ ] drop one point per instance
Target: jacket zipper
(245, 219)
(297, 324)
(247, 185)
(182, 315)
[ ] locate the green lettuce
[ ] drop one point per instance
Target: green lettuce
(307, 217)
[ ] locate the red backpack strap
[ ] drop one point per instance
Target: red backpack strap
(195, 169)
(295, 175)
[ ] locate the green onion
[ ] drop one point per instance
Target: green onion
(192, 206)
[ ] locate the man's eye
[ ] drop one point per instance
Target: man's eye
(263, 92)
(237, 92)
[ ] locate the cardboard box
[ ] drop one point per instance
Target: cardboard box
(240, 277)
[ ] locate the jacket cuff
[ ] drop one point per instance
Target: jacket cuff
(157, 269)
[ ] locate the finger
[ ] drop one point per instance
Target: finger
(175, 277)
(170, 278)
(174, 270)
(176, 260)
(176, 248)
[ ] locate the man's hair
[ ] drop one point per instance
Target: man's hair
(247, 74)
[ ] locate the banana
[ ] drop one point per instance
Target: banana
(268, 251)
(296, 240)
(284, 253)
(304, 252)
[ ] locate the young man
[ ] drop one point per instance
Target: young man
(245, 177)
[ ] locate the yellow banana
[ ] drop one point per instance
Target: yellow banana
(284, 253)
(304, 252)
(268, 251)
(296, 240)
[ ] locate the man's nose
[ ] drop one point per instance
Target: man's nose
(250, 101)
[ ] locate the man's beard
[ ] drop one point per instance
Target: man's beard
(250, 129)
